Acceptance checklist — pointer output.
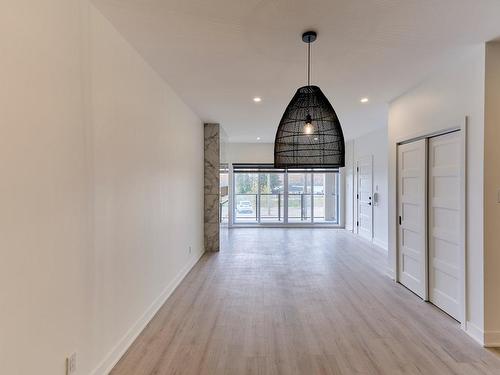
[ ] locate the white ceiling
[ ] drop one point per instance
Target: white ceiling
(219, 54)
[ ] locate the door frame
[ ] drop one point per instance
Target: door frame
(356, 218)
(463, 211)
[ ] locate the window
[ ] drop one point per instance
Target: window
(224, 194)
(245, 197)
(263, 195)
(271, 188)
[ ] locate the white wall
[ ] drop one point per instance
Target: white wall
(45, 247)
(492, 196)
(441, 102)
(374, 144)
(95, 191)
(148, 176)
(250, 152)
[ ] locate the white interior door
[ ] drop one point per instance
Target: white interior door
(412, 237)
(445, 165)
(364, 198)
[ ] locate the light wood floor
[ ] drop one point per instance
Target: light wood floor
(300, 301)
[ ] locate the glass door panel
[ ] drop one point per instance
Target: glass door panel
(326, 208)
(224, 194)
(299, 197)
(246, 192)
(272, 188)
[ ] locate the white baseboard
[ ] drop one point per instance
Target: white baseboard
(381, 244)
(390, 273)
(475, 332)
(112, 358)
(488, 339)
(492, 339)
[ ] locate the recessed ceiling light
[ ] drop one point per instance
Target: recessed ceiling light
(257, 99)
(364, 100)
(258, 138)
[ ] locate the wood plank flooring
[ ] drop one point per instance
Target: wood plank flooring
(300, 301)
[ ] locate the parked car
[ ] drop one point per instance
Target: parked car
(296, 189)
(244, 207)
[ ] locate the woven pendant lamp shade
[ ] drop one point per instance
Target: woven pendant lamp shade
(309, 134)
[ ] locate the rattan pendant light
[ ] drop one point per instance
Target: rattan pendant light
(309, 134)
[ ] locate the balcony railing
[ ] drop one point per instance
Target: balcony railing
(301, 207)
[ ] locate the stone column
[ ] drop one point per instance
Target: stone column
(212, 162)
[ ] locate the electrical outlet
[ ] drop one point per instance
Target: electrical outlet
(71, 364)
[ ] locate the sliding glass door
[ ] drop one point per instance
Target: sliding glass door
(299, 197)
(272, 196)
(271, 191)
(246, 197)
(326, 198)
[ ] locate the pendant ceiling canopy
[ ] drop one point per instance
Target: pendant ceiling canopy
(309, 134)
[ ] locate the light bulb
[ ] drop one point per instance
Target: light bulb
(308, 127)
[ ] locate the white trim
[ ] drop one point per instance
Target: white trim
(463, 222)
(112, 358)
(368, 242)
(424, 134)
(390, 273)
(381, 244)
(475, 332)
(492, 339)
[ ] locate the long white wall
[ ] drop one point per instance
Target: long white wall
(95, 190)
(374, 145)
(443, 101)
(492, 195)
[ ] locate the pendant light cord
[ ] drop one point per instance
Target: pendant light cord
(309, 63)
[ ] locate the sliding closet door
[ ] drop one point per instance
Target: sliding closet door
(445, 222)
(412, 189)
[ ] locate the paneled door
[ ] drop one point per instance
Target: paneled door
(445, 167)
(412, 237)
(364, 198)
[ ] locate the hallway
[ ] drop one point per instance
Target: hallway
(300, 301)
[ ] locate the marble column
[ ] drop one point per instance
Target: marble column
(212, 162)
